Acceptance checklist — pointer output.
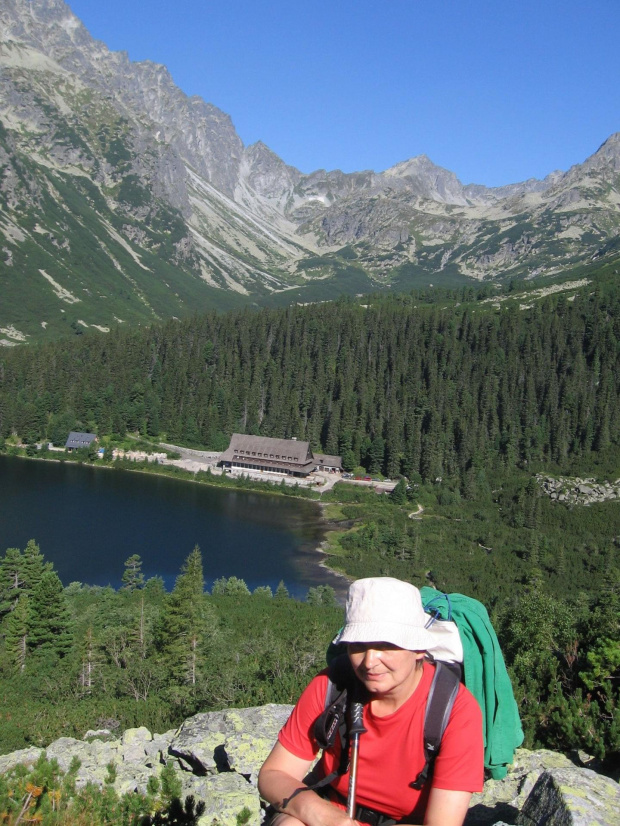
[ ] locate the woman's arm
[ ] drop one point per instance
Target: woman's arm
(446, 808)
(280, 781)
(459, 768)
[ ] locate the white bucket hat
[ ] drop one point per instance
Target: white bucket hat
(384, 609)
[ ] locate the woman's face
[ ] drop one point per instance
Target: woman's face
(385, 669)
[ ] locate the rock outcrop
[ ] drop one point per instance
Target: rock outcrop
(571, 796)
(545, 788)
(576, 491)
(218, 755)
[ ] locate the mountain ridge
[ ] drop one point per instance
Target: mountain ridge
(110, 158)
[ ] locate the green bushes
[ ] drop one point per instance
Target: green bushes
(44, 794)
(144, 657)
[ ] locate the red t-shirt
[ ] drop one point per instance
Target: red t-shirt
(391, 752)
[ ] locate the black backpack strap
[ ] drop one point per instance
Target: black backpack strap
(333, 718)
(334, 721)
(441, 697)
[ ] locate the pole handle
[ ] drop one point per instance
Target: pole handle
(357, 715)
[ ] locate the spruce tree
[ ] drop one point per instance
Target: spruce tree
(33, 565)
(281, 591)
(20, 573)
(16, 627)
(185, 622)
(231, 587)
(12, 583)
(88, 660)
(399, 493)
(376, 454)
(50, 629)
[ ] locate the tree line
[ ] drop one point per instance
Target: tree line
(392, 385)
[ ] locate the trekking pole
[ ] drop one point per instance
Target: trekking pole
(357, 728)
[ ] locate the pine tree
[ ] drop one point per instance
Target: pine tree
(322, 595)
(376, 455)
(12, 583)
(231, 587)
(263, 591)
(399, 493)
(89, 660)
(20, 573)
(133, 577)
(34, 565)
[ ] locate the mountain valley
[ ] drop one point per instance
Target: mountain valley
(122, 200)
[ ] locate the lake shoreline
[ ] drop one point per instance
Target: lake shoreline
(179, 474)
(343, 580)
(319, 558)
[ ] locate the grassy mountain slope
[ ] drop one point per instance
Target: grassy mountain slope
(123, 201)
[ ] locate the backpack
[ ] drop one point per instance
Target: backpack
(483, 672)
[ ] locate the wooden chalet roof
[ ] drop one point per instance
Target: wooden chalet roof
(328, 460)
(255, 449)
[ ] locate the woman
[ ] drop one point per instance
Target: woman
(391, 646)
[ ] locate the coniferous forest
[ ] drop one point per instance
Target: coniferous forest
(465, 400)
(396, 385)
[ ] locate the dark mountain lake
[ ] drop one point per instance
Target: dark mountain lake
(89, 520)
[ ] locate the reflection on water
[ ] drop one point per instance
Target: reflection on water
(89, 520)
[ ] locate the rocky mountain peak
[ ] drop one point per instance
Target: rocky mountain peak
(260, 155)
(198, 132)
(607, 155)
(43, 23)
(428, 180)
(420, 164)
(593, 178)
(267, 174)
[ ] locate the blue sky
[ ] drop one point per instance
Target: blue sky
(495, 91)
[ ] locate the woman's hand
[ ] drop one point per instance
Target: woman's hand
(280, 781)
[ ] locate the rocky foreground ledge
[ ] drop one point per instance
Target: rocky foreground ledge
(218, 755)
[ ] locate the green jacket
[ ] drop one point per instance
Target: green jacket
(484, 674)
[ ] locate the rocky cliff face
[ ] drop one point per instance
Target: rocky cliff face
(218, 755)
(123, 199)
